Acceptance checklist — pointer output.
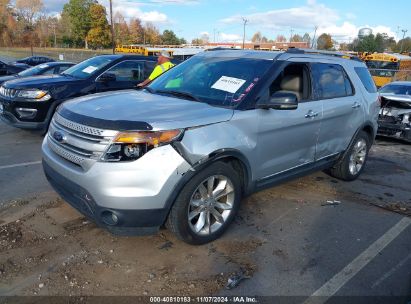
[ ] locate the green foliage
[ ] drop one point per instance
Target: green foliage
(78, 14)
(325, 42)
(374, 43)
(170, 38)
(99, 34)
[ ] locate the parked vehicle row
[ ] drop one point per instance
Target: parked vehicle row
(215, 128)
(30, 102)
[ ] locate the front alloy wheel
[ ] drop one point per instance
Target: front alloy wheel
(206, 205)
(211, 204)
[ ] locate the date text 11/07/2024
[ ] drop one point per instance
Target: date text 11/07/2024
(234, 299)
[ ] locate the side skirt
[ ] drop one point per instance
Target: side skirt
(291, 174)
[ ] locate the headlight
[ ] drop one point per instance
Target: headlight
(38, 95)
(128, 146)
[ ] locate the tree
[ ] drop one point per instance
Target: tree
(296, 38)
(136, 31)
(27, 12)
(256, 37)
(197, 41)
(406, 45)
(168, 37)
(151, 33)
(78, 14)
(264, 39)
(98, 36)
(307, 38)
(121, 29)
(280, 38)
(325, 42)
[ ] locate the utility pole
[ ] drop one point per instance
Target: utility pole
(112, 27)
(214, 30)
(402, 41)
(315, 32)
(291, 34)
(245, 21)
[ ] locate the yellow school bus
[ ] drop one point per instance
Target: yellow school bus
(385, 68)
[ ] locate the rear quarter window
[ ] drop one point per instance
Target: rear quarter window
(366, 79)
(331, 81)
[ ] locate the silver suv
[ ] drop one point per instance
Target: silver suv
(221, 125)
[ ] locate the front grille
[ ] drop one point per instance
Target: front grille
(8, 93)
(78, 144)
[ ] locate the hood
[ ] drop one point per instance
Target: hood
(131, 109)
(395, 100)
(38, 82)
(6, 78)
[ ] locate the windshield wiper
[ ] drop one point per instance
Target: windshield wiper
(179, 94)
(152, 91)
(64, 74)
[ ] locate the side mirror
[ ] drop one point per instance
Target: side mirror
(106, 77)
(280, 101)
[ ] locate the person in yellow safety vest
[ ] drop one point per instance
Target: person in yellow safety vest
(163, 65)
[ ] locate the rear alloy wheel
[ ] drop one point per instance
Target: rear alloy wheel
(351, 166)
(357, 157)
(206, 205)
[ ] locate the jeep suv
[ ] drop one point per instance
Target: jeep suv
(186, 149)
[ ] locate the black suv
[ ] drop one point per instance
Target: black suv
(11, 69)
(49, 68)
(29, 103)
(35, 60)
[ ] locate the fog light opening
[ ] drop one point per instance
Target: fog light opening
(109, 218)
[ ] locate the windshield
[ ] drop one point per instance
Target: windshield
(215, 80)
(37, 70)
(388, 65)
(396, 89)
(87, 67)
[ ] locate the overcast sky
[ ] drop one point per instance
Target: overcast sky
(223, 18)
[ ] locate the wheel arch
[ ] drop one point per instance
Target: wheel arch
(234, 157)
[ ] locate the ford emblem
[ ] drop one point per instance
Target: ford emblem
(59, 136)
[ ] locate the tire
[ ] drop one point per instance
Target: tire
(353, 162)
(194, 207)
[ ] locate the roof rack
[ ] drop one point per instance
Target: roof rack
(321, 52)
(219, 48)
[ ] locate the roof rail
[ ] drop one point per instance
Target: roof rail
(219, 48)
(321, 52)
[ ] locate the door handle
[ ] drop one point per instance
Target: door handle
(355, 105)
(311, 114)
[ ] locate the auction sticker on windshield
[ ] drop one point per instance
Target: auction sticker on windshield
(43, 66)
(228, 84)
(90, 69)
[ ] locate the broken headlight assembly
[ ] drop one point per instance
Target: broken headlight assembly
(129, 146)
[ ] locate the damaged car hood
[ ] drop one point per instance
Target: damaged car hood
(396, 100)
(131, 109)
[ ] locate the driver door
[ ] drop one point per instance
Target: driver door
(287, 138)
(127, 75)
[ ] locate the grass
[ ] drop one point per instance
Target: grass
(73, 55)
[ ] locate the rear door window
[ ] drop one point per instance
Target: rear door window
(366, 79)
(331, 81)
